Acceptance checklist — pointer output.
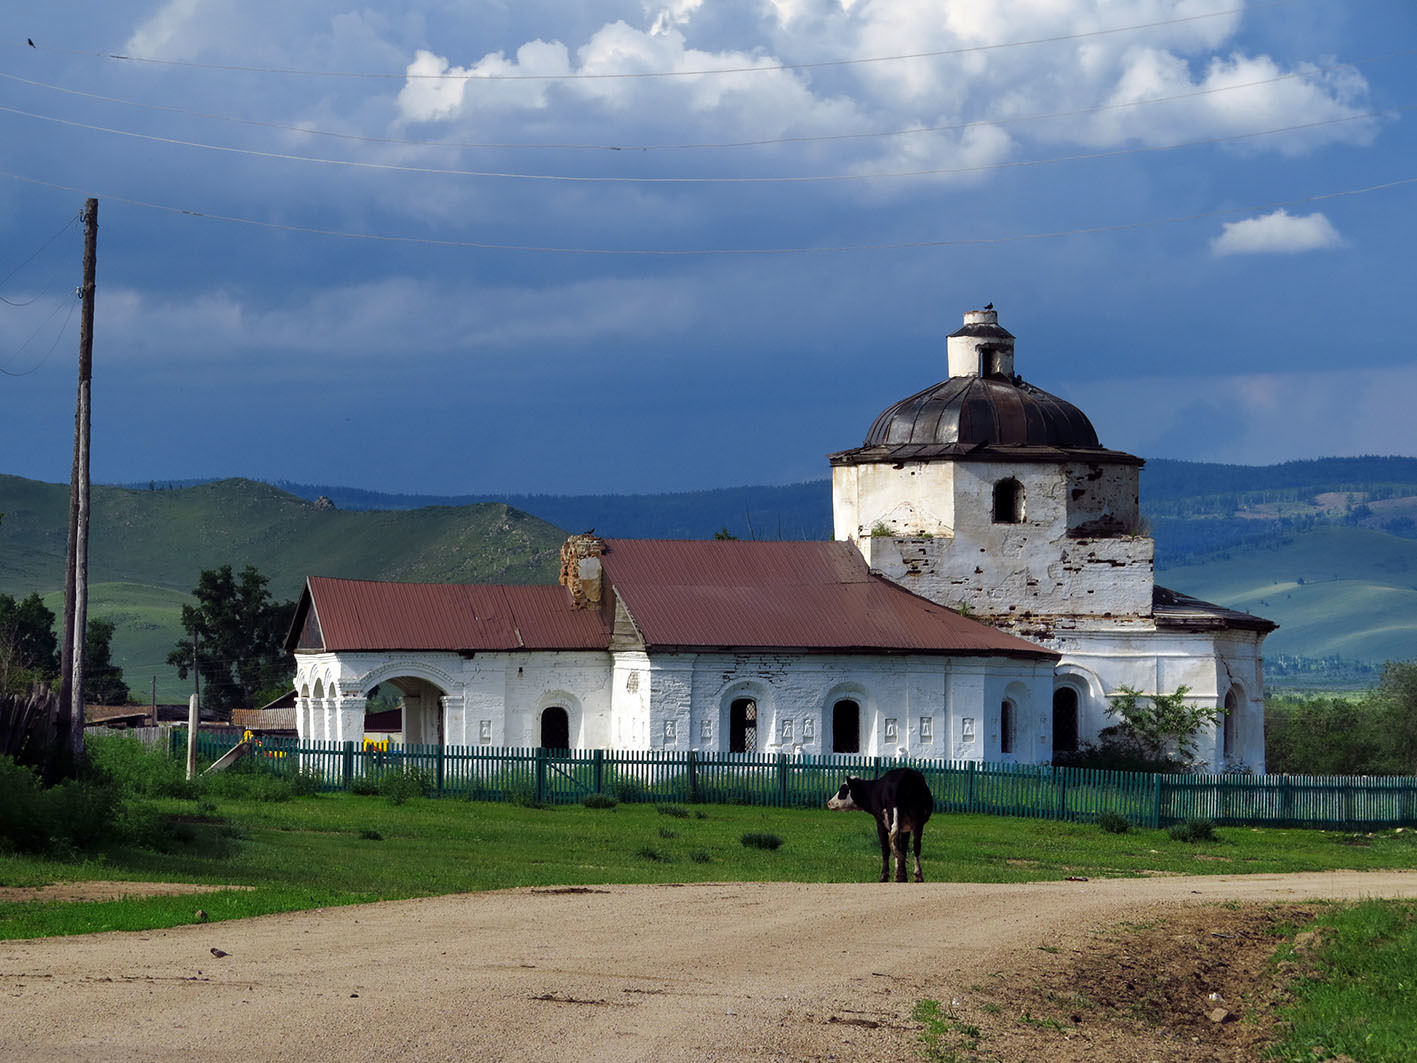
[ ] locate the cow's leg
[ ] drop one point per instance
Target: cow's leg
(884, 835)
(899, 840)
(919, 875)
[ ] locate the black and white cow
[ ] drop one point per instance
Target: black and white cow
(901, 802)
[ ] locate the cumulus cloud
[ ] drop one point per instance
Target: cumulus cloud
(1278, 232)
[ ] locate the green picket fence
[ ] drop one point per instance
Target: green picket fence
(547, 776)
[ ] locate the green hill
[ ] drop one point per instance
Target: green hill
(1335, 590)
(148, 547)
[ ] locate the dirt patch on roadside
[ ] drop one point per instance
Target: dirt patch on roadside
(1181, 983)
(98, 890)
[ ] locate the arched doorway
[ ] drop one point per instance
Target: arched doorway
(846, 727)
(555, 728)
(1065, 720)
(406, 710)
(1006, 727)
(743, 726)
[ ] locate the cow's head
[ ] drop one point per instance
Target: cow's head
(843, 801)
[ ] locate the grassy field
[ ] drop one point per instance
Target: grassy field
(1355, 1002)
(344, 849)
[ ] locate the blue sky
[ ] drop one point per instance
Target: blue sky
(430, 278)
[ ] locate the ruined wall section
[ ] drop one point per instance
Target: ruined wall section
(914, 498)
(1043, 566)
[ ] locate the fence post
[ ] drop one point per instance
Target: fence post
(597, 759)
(442, 749)
(969, 795)
(693, 764)
(782, 780)
(1156, 800)
(540, 775)
(348, 765)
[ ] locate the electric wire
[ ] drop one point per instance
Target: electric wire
(650, 74)
(72, 302)
(39, 251)
(731, 251)
(732, 144)
(441, 171)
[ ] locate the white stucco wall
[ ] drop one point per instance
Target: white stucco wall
(909, 704)
(1210, 664)
(493, 699)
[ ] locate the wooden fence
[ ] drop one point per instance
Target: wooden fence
(1039, 791)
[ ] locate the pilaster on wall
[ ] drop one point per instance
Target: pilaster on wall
(349, 720)
(454, 720)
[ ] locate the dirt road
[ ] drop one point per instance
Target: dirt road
(718, 972)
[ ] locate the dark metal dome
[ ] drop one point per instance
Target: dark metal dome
(983, 411)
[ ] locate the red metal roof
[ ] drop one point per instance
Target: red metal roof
(369, 615)
(803, 596)
(815, 596)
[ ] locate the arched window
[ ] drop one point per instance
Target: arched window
(1006, 727)
(1008, 502)
(1065, 720)
(555, 728)
(846, 727)
(743, 726)
(1228, 728)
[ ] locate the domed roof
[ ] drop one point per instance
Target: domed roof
(983, 412)
(988, 411)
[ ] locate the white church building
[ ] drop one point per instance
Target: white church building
(990, 588)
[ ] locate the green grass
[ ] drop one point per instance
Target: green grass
(1356, 1002)
(319, 851)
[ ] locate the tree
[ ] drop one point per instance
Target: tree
(1158, 726)
(29, 648)
(103, 680)
(1395, 701)
(240, 632)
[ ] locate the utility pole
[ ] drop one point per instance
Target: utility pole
(194, 712)
(76, 583)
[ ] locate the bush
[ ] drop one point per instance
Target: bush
(399, 786)
(1195, 829)
(760, 840)
(677, 811)
(1113, 822)
(647, 852)
(140, 769)
(74, 815)
(599, 801)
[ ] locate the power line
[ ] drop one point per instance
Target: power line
(759, 69)
(39, 251)
(441, 171)
(762, 142)
(739, 251)
(73, 302)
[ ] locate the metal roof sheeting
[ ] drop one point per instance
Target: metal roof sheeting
(812, 596)
(368, 615)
